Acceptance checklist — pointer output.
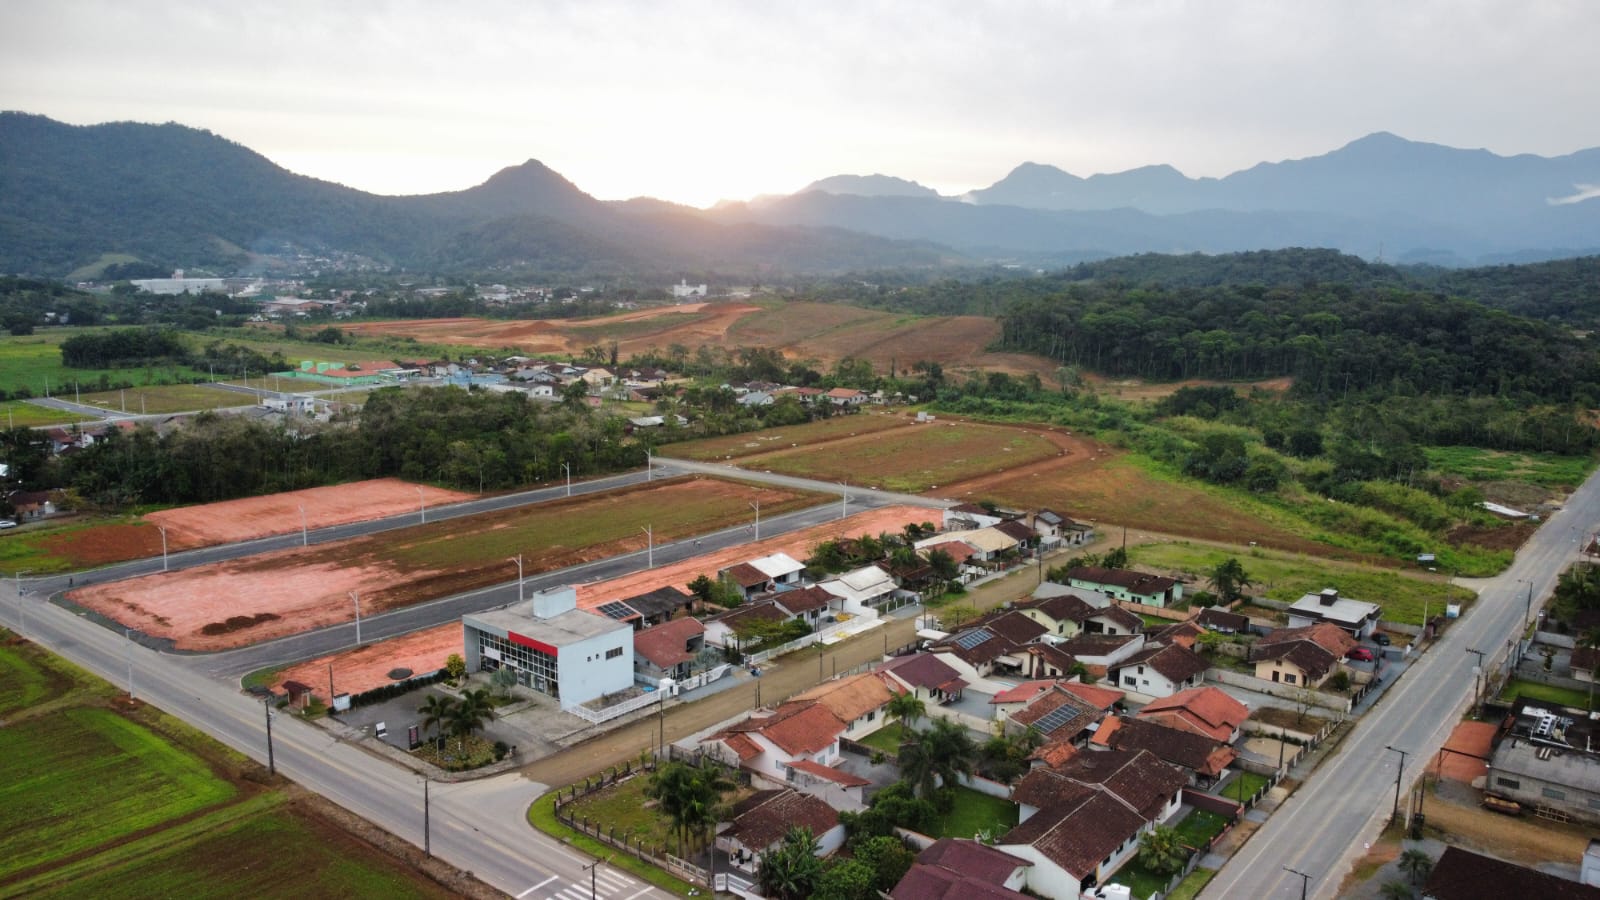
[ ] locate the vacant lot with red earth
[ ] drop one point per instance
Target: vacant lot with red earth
(367, 667)
(243, 520)
(825, 332)
(261, 597)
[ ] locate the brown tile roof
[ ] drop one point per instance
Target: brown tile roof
(745, 575)
(1062, 608)
(1184, 633)
(1306, 656)
(1119, 616)
(1207, 709)
(1127, 579)
(923, 882)
(972, 858)
(960, 551)
(1075, 716)
(1178, 747)
(1053, 655)
(1077, 828)
(849, 698)
(837, 776)
(1014, 529)
(1136, 777)
(1464, 875)
(763, 818)
(1174, 661)
(1222, 620)
(1096, 644)
(804, 599)
(1011, 625)
(1326, 635)
(922, 670)
(666, 645)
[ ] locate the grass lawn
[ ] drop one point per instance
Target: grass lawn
(166, 399)
(1548, 692)
(1143, 881)
(974, 812)
(1287, 577)
(139, 781)
(22, 414)
(1200, 826)
(914, 459)
(1192, 885)
(887, 739)
(542, 816)
(27, 680)
(1476, 464)
(626, 808)
(1244, 784)
(31, 361)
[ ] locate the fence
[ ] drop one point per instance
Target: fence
(656, 856)
(1288, 692)
(616, 710)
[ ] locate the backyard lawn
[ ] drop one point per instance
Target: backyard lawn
(974, 812)
(1200, 826)
(1549, 693)
(886, 739)
(1243, 786)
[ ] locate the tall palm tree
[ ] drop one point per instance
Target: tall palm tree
(907, 708)
(1161, 849)
(436, 711)
(672, 786)
(790, 870)
(469, 715)
(938, 756)
(1416, 863)
(1395, 889)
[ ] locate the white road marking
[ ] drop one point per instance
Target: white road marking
(640, 894)
(536, 887)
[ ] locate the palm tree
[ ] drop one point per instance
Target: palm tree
(705, 806)
(790, 870)
(1230, 579)
(907, 708)
(672, 787)
(1395, 889)
(938, 756)
(1416, 863)
(1162, 850)
(437, 710)
(469, 715)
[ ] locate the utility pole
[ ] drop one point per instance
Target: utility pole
(844, 500)
(568, 470)
(422, 506)
(163, 529)
(128, 633)
(1477, 690)
(427, 837)
(1304, 880)
(661, 724)
(22, 611)
(1395, 816)
(650, 547)
(594, 893)
(266, 706)
(305, 538)
(356, 596)
(757, 507)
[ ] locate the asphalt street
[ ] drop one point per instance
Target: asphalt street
(1322, 829)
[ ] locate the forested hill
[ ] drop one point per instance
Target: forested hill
(1330, 339)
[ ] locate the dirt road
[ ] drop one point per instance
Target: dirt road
(787, 677)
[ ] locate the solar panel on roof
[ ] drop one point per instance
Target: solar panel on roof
(973, 638)
(1055, 718)
(617, 611)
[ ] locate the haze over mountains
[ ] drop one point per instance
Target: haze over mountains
(175, 197)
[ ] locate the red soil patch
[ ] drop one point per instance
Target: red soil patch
(1139, 389)
(1459, 762)
(367, 667)
(102, 544)
(256, 517)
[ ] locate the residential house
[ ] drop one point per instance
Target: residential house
(969, 516)
(1082, 821)
(1306, 656)
(1099, 653)
(667, 650)
(925, 675)
(1059, 717)
(1549, 762)
(1019, 696)
(1102, 698)
(859, 701)
(781, 569)
(988, 543)
(659, 605)
(1046, 660)
(1025, 537)
(1358, 617)
(961, 869)
(1202, 757)
(1463, 875)
(1216, 619)
(1183, 633)
(1054, 528)
(1065, 611)
(808, 604)
(1204, 710)
(760, 821)
(1127, 585)
(748, 579)
(732, 629)
(1159, 670)
(846, 397)
(862, 590)
(990, 643)
(767, 742)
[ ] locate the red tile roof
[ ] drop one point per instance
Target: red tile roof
(1102, 698)
(1208, 710)
(763, 818)
(666, 645)
(837, 776)
(1023, 692)
(799, 729)
(745, 575)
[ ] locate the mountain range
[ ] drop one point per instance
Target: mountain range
(173, 196)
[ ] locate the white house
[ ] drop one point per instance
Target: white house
(1358, 617)
(577, 655)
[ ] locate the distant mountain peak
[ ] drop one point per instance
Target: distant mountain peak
(874, 185)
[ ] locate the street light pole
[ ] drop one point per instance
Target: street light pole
(128, 633)
(22, 611)
(650, 547)
(1477, 689)
(356, 596)
(757, 507)
(518, 560)
(568, 470)
(305, 538)
(427, 837)
(266, 706)
(422, 506)
(163, 529)
(844, 500)
(649, 465)
(1394, 816)
(594, 893)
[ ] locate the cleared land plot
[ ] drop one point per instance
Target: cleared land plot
(172, 398)
(268, 854)
(22, 414)
(261, 597)
(367, 667)
(255, 517)
(1476, 464)
(924, 457)
(1288, 578)
(138, 779)
(810, 435)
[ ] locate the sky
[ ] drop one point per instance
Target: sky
(695, 102)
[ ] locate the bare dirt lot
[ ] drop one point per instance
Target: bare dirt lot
(258, 598)
(367, 667)
(255, 517)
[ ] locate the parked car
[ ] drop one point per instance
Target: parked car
(1359, 654)
(1380, 638)
(8, 523)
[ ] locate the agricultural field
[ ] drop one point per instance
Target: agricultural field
(1288, 577)
(171, 813)
(247, 600)
(22, 414)
(921, 458)
(33, 362)
(163, 399)
(809, 435)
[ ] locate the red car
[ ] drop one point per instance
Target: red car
(1359, 654)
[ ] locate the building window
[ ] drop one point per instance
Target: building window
(613, 654)
(1508, 782)
(1130, 681)
(1553, 794)
(1288, 678)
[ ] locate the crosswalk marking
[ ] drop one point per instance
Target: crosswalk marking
(606, 883)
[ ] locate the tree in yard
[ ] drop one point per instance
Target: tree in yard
(455, 666)
(888, 857)
(893, 807)
(1004, 757)
(504, 679)
(791, 870)
(907, 708)
(943, 564)
(846, 879)
(1230, 579)
(705, 807)
(1416, 864)
(469, 715)
(672, 787)
(937, 756)
(1395, 889)
(1161, 850)
(1115, 558)
(436, 711)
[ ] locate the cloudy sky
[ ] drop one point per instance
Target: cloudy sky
(696, 101)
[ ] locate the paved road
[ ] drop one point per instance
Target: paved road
(1321, 830)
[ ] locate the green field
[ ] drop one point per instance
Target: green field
(166, 399)
(1549, 693)
(1474, 464)
(139, 781)
(1287, 578)
(22, 414)
(32, 361)
(738, 446)
(26, 682)
(973, 812)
